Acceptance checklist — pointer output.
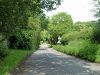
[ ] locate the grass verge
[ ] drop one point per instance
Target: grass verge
(12, 60)
(88, 52)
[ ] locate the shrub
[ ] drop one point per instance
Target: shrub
(80, 48)
(84, 33)
(24, 40)
(88, 51)
(44, 36)
(80, 41)
(19, 41)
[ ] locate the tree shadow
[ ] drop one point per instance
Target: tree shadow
(53, 64)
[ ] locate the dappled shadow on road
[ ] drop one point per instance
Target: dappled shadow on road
(55, 64)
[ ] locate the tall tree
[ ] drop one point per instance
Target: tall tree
(97, 8)
(96, 36)
(14, 13)
(59, 24)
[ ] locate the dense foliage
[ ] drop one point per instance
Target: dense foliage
(96, 8)
(44, 36)
(83, 39)
(58, 25)
(21, 22)
(80, 42)
(97, 15)
(80, 39)
(81, 30)
(23, 25)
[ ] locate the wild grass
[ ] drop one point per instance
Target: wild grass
(81, 48)
(12, 60)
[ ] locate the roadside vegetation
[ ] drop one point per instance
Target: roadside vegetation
(21, 22)
(23, 26)
(80, 39)
(11, 61)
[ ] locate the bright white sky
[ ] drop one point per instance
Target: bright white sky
(80, 10)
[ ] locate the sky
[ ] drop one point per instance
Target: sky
(80, 10)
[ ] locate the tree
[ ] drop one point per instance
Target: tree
(49, 5)
(44, 36)
(14, 13)
(81, 30)
(96, 8)
(15, 24)
(96, 36)
(44, 21)
(59, 24)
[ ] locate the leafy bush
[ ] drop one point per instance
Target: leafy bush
(75, 35)
(44, 36)
(80, 41)
(88, 51)
(24, 40)
(68, 37)
(80, 48)
(18, 41)
(58, 25)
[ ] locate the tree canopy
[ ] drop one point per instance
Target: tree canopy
(59, 24)
(97, 8)
(14, 13)
(21, 22)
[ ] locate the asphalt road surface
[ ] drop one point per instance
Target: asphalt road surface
(47, 61)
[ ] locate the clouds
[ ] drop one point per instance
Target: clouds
(79, 9)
